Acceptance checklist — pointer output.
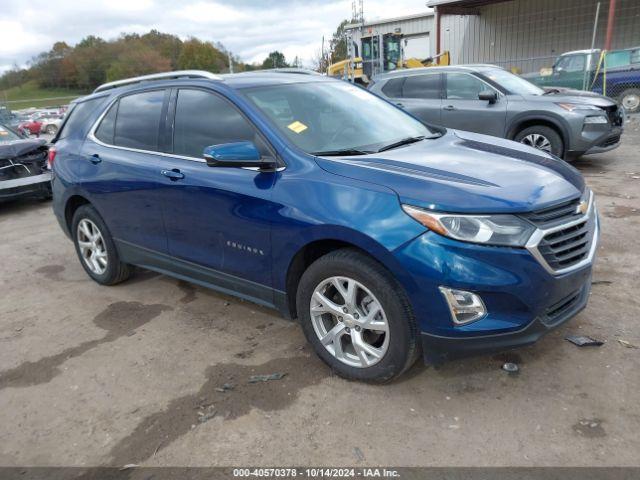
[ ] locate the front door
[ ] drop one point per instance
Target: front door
(463, 110)
(568, 72)
(217, 218)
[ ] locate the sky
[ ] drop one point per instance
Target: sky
(249, 28)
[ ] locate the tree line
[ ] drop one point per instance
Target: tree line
(94, 60)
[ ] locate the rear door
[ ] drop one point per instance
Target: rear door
(421, 95)
(122, 169)
(463, 110)
(218, 217)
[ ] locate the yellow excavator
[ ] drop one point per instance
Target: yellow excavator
(353, 70)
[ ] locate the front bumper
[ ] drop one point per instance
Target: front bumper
(34, 185)
(526, 291)
(438, 349)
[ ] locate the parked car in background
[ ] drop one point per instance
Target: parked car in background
(31, 126)
(385, 238)
(23, 166)
(50, 125)
(583, 69)
(490, 100)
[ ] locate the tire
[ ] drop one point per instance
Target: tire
(396, 348)
(112, 271)
(539, 136)
(630, 100)
(51, 129)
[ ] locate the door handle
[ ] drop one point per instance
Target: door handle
(449, 108)
(173, 174)
(95, 159)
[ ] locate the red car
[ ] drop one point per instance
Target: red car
(31, 126)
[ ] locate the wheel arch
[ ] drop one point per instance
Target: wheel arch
(311, 251)
(71, 206)
(520, 123)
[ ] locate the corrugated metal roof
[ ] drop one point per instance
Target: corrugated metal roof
(382, 21)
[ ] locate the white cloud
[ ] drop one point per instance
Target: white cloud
(249, 28)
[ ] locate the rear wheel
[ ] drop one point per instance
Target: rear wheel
(357, 317)
(95, 248)
(541, 137)
(630, 100)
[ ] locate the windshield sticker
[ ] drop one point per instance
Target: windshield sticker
(297, 127)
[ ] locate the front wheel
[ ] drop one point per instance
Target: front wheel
(630, 100)
(357, 317)
(95, 248)
(543, 138)
(51, 129)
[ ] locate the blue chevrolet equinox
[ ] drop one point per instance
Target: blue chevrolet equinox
(386, 238)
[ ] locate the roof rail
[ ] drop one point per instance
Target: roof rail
(159, 76)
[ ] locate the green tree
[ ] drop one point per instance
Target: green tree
(338, 43)
(139, 61)
(199, 55)
(275, 59)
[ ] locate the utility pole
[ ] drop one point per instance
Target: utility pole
(610, 23)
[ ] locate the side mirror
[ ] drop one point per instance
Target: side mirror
(236, 154)
(488, 96)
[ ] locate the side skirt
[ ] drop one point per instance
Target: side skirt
(206, 277)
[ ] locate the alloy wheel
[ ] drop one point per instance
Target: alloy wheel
(538, 141)
(631, 102)
(92, 247)
(349, 322)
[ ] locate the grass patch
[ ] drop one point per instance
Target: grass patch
(30, 95)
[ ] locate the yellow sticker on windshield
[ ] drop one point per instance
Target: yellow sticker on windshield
(297, 127)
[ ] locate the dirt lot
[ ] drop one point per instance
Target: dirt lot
(94, 375)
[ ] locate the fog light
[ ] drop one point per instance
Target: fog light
(465, 307)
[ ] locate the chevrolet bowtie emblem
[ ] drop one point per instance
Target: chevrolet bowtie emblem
(582, 207)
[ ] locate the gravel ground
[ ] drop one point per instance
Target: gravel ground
(94, 375)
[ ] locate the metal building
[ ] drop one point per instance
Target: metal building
(529, 34)
(383, 44)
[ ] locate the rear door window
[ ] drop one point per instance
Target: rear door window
(138, 120)
(422, 86)
(203, 119)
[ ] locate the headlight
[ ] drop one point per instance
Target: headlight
(596, 119)
(570, 107)
(506, 230)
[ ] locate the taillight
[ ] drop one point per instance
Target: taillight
(51, 158)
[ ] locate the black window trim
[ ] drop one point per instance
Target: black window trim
(171, 121)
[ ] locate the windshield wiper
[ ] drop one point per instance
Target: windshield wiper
(399, 143)
(551, 91)
(344, 151)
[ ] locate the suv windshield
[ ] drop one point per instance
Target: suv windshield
(336, 118)
(513, 83)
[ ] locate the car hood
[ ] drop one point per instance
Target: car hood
(18, 148)
(467, 173)
(567, 95)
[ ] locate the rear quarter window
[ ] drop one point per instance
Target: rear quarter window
(393, 88)
(79, 117)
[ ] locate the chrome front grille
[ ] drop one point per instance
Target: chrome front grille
(565, 240)
(555, 215)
